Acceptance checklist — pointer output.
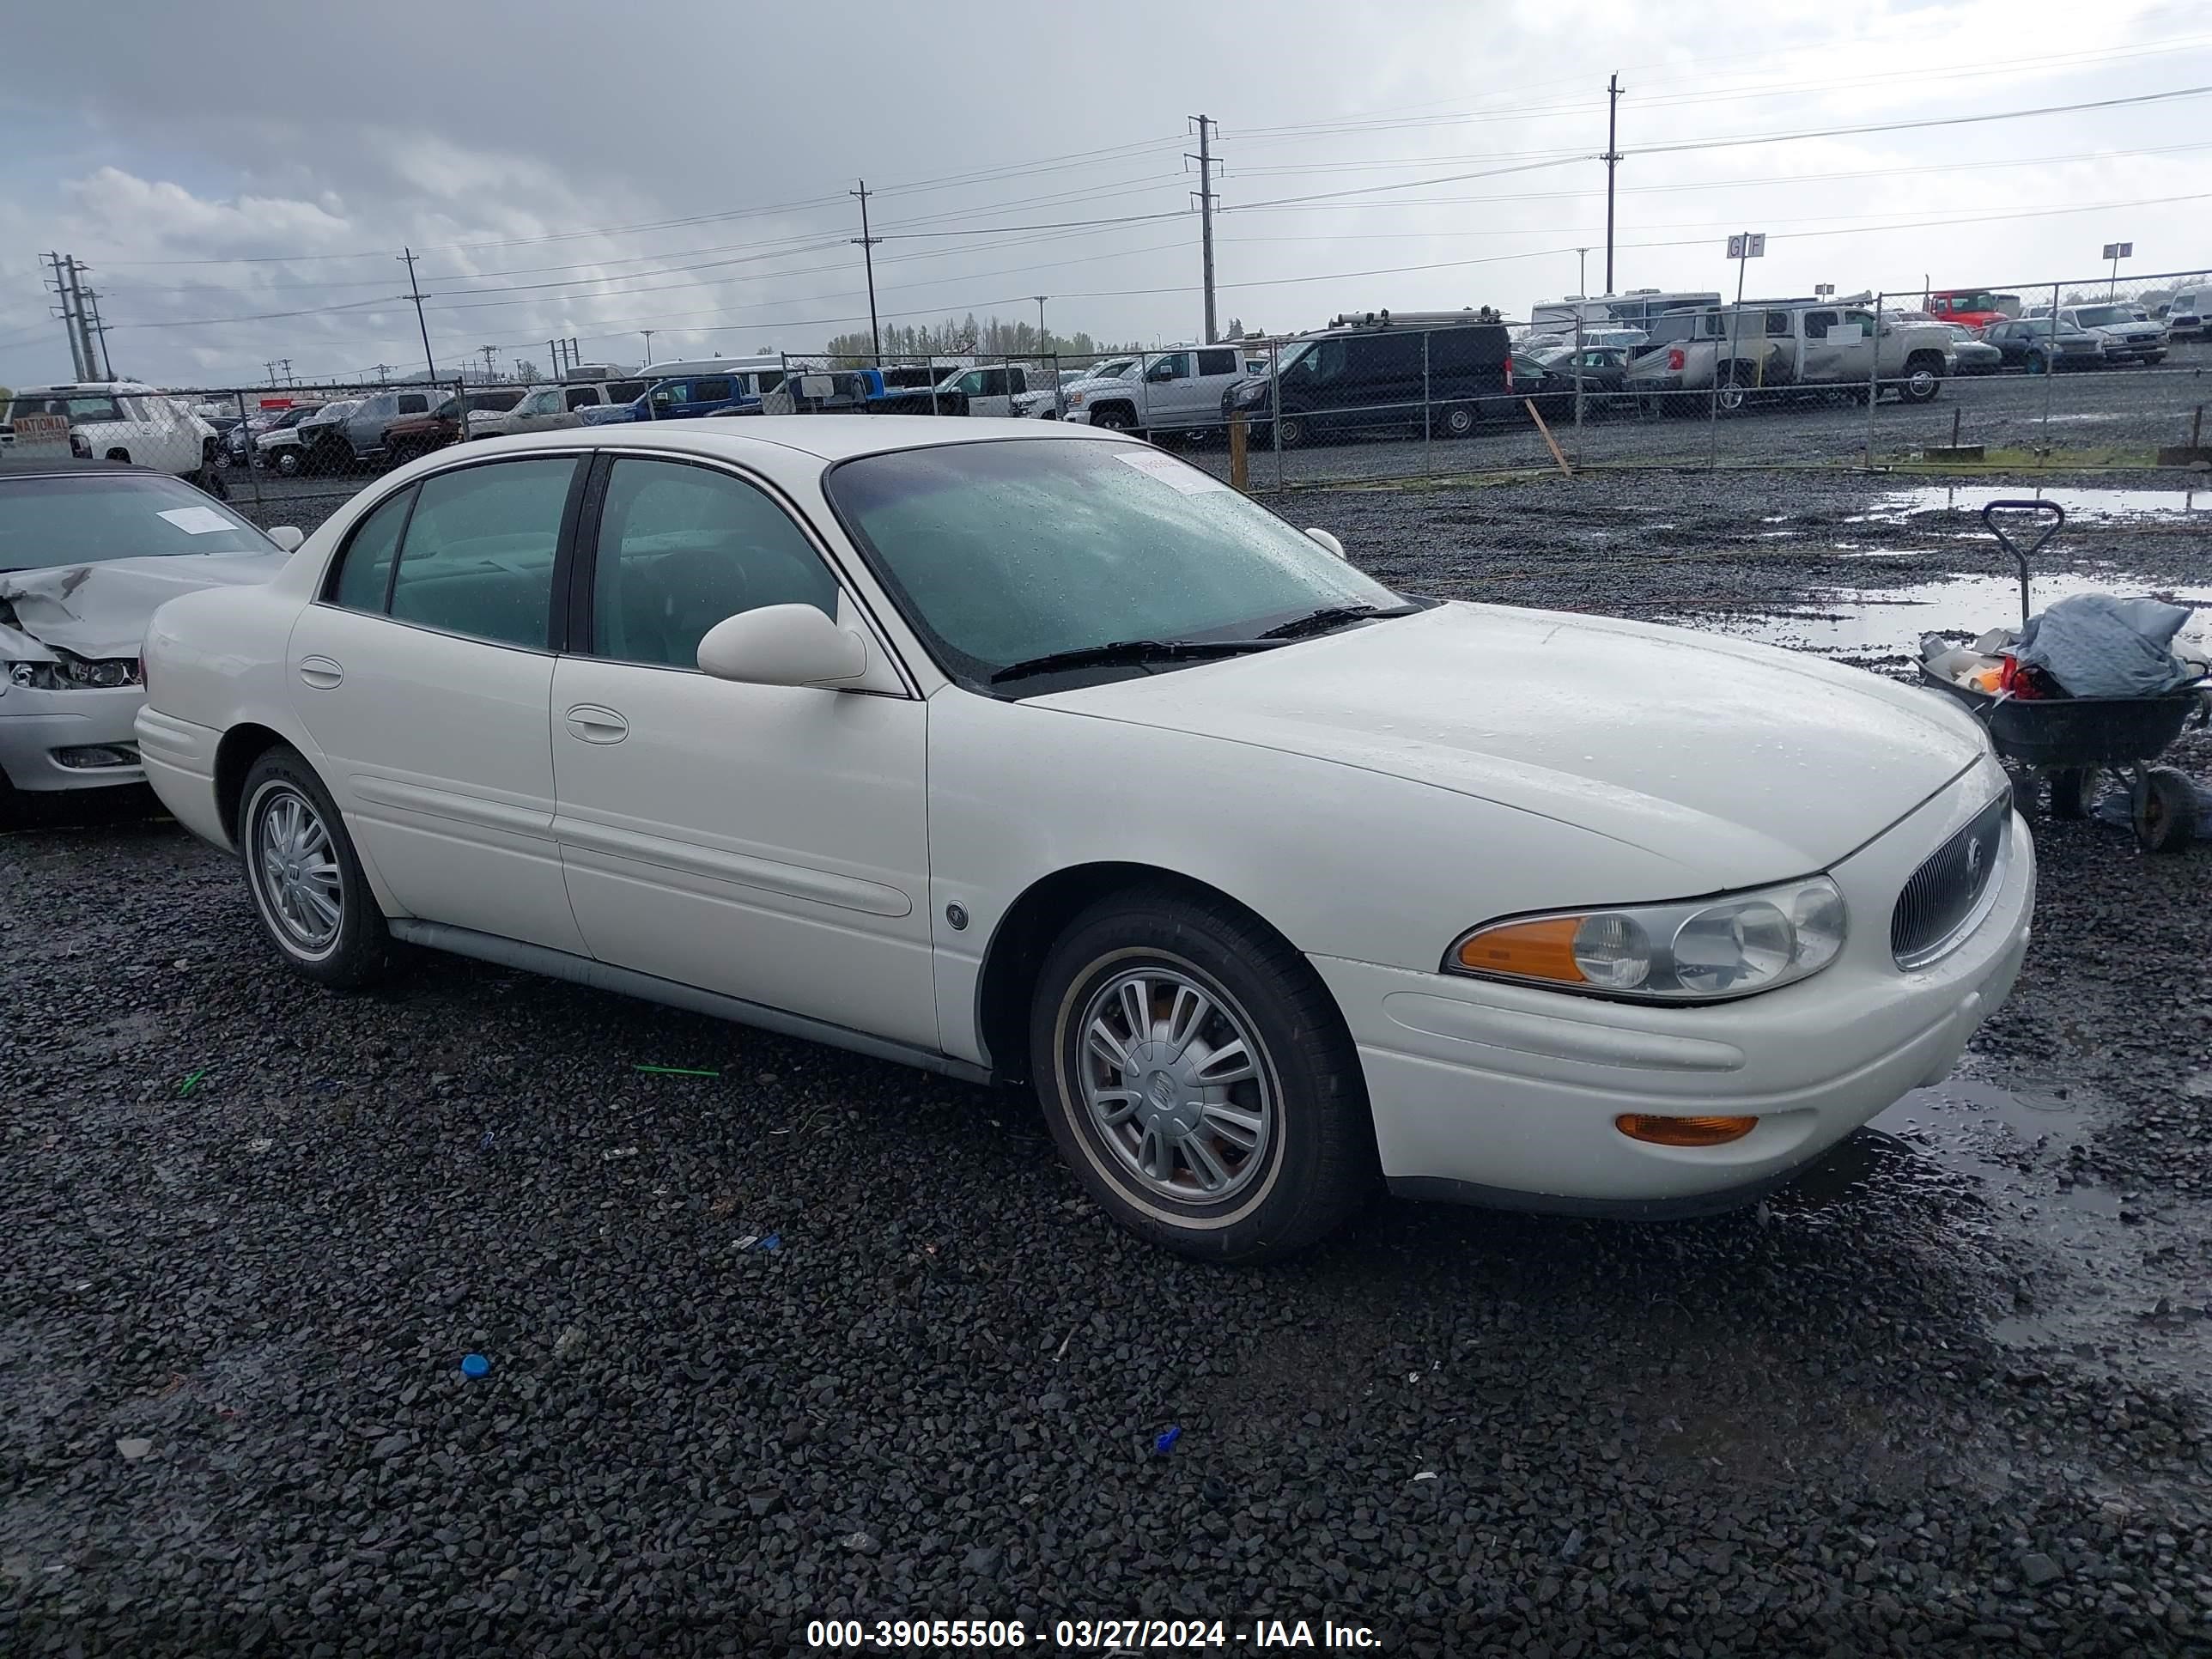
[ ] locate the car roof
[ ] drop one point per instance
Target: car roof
(14, 466)
(826, 438)
(134, 388)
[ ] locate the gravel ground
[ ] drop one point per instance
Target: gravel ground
(1945, 1396)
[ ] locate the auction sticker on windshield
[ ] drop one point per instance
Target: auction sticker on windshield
(1169, 471)
(197, 520)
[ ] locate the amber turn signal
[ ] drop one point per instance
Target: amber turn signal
(1527, 949)
(1684, 1131)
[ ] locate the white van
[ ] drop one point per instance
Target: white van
(2186, 311)
(675, 366)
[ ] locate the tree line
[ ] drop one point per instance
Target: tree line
(967, 337)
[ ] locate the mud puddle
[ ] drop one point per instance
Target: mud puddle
(2100, 1275)
(1889, 622)
(2090, 505)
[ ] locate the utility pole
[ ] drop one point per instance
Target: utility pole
(868, 252)
(83, 317)
(1206, 199)
(382, 370)
(60, 287)
(279, 368)
(98, 330)
(1612, 165)
(414, 292)
(490, 352)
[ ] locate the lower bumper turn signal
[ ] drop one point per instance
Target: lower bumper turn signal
(1684, 1131)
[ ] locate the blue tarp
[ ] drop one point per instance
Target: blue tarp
(2098, 645)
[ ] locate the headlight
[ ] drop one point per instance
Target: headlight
(73, 674)
(1697, 951)
(1075, 399)
(1255, 393)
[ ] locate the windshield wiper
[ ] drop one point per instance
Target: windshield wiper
(1129, 651)
(1333, 616)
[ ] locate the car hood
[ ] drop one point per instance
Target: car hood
(1739, 763)
(101, 610)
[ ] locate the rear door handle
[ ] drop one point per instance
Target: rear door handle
(593, 724)
(321, 673)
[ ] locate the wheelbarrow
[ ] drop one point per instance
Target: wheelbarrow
(2067, 743)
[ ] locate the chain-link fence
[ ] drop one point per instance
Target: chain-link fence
(2093, 374)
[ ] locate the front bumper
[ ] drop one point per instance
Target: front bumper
(1506, 1095)
(53, 740)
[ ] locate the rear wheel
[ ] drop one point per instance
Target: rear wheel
(1459, 422)
(2164, 808)
(314, 903)
(1736, 390)
(1198, 1078)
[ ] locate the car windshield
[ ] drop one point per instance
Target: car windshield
(1290, 354)
(2104, 316)
(1006, 551)
(82, 519)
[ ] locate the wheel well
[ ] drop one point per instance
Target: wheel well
(234, 756)
(119, 454)
(1124, 404)
(1925, 356)
(1026, 933)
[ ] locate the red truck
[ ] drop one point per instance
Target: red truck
(1972, 307)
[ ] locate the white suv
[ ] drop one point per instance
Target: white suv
(1179, 388)
(122, 421)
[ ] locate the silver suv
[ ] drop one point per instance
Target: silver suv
(2131, 334)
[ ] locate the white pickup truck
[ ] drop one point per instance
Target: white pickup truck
(1178, 389)
(1776, 350)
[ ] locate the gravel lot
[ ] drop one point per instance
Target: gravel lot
(1944, 1396)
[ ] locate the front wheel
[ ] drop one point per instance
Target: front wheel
(1199, 1079)
(1116, 419)
(314, 903)
(1923, 381)
(288, 463)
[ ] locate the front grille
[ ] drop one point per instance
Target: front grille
(1942, 901)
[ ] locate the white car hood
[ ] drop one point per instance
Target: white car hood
(1740, 763)
(101, 610)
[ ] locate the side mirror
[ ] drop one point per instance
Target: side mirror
(782, 645)
(288, 537)
(1327, 541)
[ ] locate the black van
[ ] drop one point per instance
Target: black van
(1433, 372)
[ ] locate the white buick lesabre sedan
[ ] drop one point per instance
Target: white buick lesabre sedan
(1026, 752)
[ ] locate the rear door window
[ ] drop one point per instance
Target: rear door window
(715, 390)
(364, 574)
(477, 557)
(1222, 362)
(581, 396)
(414, 402)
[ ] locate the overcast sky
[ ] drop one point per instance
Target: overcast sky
(595, 170)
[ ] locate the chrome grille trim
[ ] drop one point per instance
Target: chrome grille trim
(1953, 889)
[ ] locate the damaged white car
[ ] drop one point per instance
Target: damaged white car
(87, 550)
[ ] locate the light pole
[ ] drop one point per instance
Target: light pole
(648, 334)
(1582, 272)
(1044, 340)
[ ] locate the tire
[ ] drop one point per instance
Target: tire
(300, 863)
(1292, 430)
(1923, 382)
(1737, 390)
(2164, 809)
(2150, 357)
(288, 463)
(1116, 418)
(1177, 1169)
(1459, 422)
(2072, 791)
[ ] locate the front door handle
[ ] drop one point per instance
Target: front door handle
(593, 724)
(321, 673)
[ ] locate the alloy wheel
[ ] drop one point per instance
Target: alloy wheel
(1171, 1075)
(295, 871)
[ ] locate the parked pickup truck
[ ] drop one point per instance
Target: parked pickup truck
(1179, 389)
(1775, 350)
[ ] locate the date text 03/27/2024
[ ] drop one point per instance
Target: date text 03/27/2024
(1108, 1638)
